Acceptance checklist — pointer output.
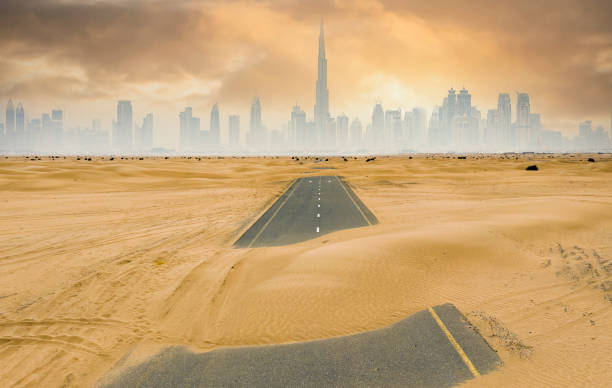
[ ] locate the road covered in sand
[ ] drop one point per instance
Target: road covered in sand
(311, 207)
(104, 261)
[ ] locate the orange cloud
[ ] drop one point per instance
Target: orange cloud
(166, 55)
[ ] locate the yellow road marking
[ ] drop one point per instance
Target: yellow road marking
(274, 215)
(450, 337)
(354, 203)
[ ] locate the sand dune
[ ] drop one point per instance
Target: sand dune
(103, 261)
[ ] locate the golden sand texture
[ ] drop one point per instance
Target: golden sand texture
(106, 260)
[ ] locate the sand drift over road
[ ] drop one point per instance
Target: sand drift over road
(415, 352)
(109, 260)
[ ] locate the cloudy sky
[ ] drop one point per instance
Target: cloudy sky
(83, 56)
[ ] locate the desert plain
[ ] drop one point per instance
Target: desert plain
(105, 262)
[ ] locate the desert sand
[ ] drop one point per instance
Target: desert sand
(103, 263)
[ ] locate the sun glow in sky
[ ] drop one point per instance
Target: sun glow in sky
(165, 55)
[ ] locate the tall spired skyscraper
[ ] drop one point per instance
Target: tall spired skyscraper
(321, 109)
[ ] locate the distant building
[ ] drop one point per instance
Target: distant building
(589, 139)
(19, 119)
(51, 132)
(32, 135)
(58, 116)
(550, 141)
(234, 131)
(190, 136)
(297, 129)
(257, 136)
(449, 111)
(96, 125)
(465, 133)
(342, 135)
(328, 140)
(464, 103)
(144, 134)
(491, 139)
(505, 136)
(434, 127)
(523, 110)
(123, 131)
(321, 108)
(9, 122)
(356, 134)
(255, 123)
(415, 129)
(214, 135)
(535, 127)
(277, 141)
(375, 137)
(393, 129)
(47, 129)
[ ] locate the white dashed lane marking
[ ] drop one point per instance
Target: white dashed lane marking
(282, 225)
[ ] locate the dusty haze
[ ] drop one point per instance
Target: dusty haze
(83, 56)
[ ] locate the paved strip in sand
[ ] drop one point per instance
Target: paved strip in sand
(311, 207)
(417, 351)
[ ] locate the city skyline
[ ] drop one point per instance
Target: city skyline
(402, 54)
(454, 126)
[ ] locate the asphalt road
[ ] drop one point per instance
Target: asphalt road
(432, 348)
(311, 207)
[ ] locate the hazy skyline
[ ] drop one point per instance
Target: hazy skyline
(164, 56)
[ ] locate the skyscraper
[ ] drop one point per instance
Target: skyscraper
(234, 131)
(214, 125)
(96, 125)
(491, 135)
(58, 115)
(9, 122)
(356, 133)
(464, 103)
(415, 124)
(393, 129)
(446, 115)
(504, 121)
(255, 135)
(342, 126)
(184, 128)
(19, 119)
(449, 107)
(535, 127)
(144, 134)
(124, 126)
(522, 120)
(190, 136)
(255, 123)
(435, 123)
(376, 134)
(297, 128)
(321, 109)
(57, 119)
